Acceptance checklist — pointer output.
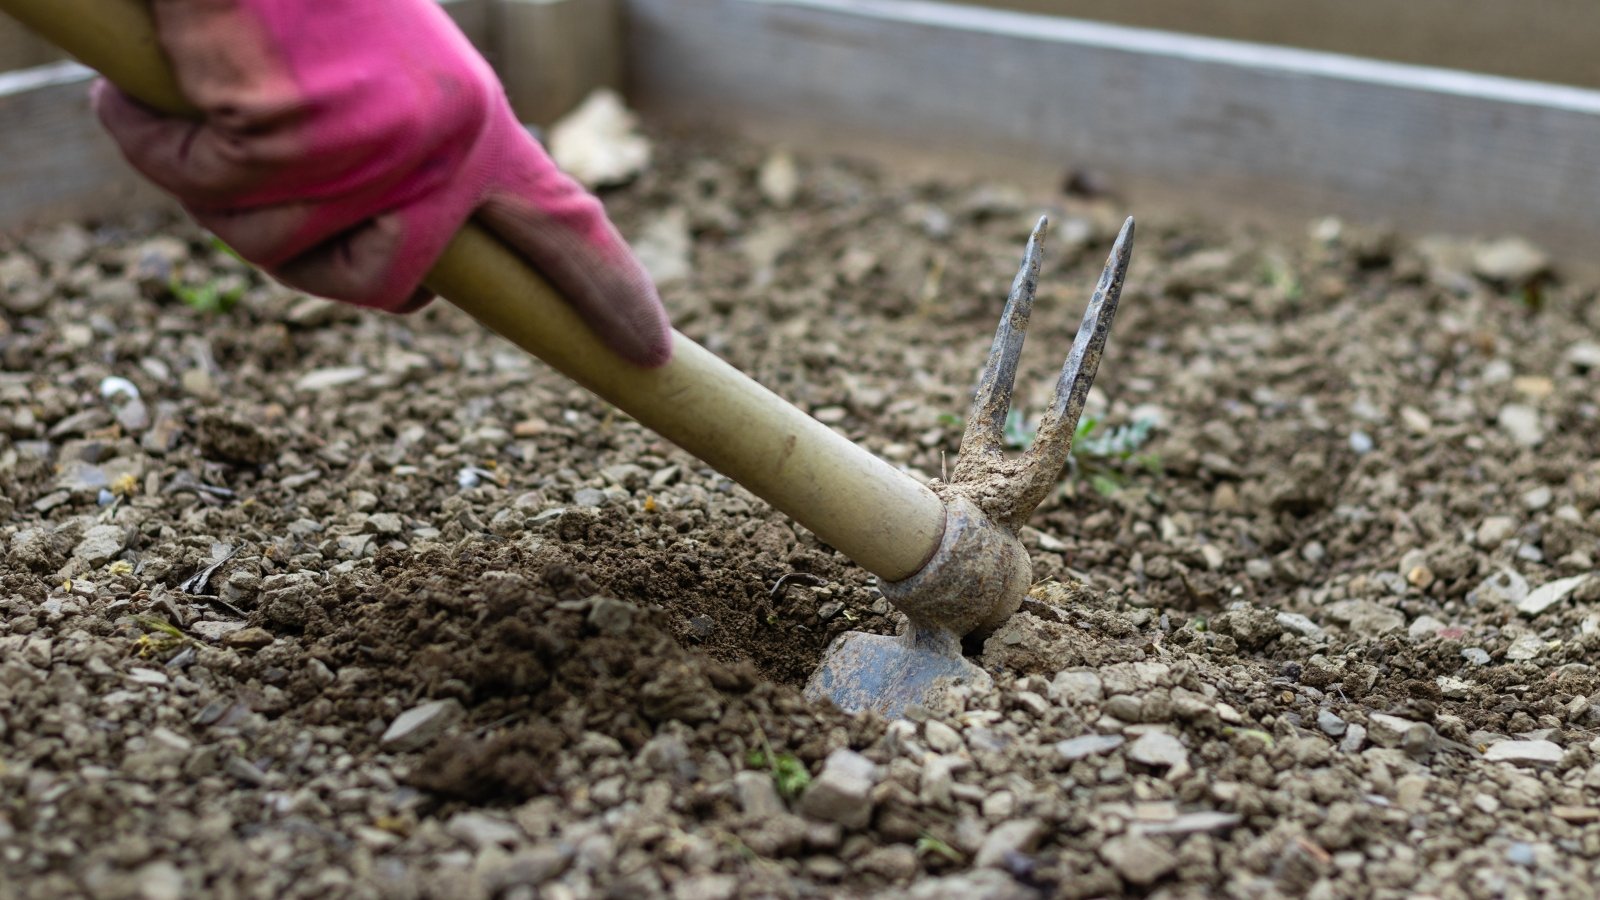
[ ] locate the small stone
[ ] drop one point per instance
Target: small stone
(610, 616)
(531, 867)
(589, 498)
(1549, 594)
(160, 880)
(758, 796)
(1577, 815)
(1007, 838)
(1354, 739)
(215, 631)
(1510, 261)
(1505, 586)
(1584, 355)
(1521, 423)
(1298, 624)
(941, 737)
(1495, 530)
(599, 142)
(1537, 498)
(1423, 627)
(1365, 618)
(101, 543)
(1139, 860)
(329, 378)
(479, 830)
(1160, 750)
(1524, 753)
(841, 793)
(248, 639)
(1088, 745)
(1077, 687)
(1420, 577)
(1476, 655)
(1527, 646)
(147, 676)
(1209, 822)
(1416, 738)
(421, 725)
(779, 179)
(1331, 725)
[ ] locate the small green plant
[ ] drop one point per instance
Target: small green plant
(162, 640)
(1098, 455)
(928, 845)
(789, 774)
(209, 298)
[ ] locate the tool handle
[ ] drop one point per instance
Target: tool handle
(872, 512)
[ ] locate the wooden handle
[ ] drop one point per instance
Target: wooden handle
(872, 512)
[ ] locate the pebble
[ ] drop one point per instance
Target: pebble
(1524, 753)
(1495, 530)
(1299, 624)
(1331, 724)
(779, 179)
(479, 830)
(1138, 859)
(1077, 686)
(1354, 738)
(988, 884)
(1416, 738)
(1537, 498)
(101, 543)
(147, 676)
(1527, 646)
(599, 143)
(842, 791)
(1366, 618)
(1016, 836)
(1511, 261)
(248, 639)
(941, 737)
(1207, 822)
(1423, 627)
(1550, 593)
(1160, 749)
(1584, 355)
(1505, 586)
(1476, 655)
(421, 725)
(1521, 423)
(589, 498)
(215, 631)
(1088, 745)
(329, 378)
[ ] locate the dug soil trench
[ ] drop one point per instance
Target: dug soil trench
(302, 602)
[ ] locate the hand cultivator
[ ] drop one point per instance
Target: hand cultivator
(947, 555)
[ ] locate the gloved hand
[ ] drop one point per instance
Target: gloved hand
(345, 141)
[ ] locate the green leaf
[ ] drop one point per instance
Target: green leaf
(928, 845)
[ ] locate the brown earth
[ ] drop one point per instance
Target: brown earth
(1278, 655)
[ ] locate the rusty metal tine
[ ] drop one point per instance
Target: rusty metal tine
(986, 421)
(1044, 460)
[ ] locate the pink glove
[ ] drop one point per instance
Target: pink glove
(344, 143)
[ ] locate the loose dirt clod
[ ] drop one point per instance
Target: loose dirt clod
(626, 674)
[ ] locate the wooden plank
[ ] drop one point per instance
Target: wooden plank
(1541, 40)
(20, 49)
(55, 162)
(1224, 126)
(552, 53)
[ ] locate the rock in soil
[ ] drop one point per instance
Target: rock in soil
(481, 636)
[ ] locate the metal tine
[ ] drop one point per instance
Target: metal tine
(984, 436)
(1043, 462)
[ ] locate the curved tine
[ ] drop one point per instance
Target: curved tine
(987, 418)
(1045, 459)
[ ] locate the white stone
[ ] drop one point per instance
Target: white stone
(599, 143)
(941, 737)
(479, 830)
(779, 179)
(1016, 836)
(1088, 745)
(1138, 859)
(101, 543)
(664, 246)
(1584, 355)
(1209, 822)
(1549, 594)
(1160, 749)
(1525, 647)
(842, 792)
(1504, 586)
(1521, 423)
(1495, 530)
(1524, 753)
(1077, 686)
(421, 725)
(215, 631)
(324, 379)
(1510, 260)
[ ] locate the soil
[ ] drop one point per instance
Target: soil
(1295, 649)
